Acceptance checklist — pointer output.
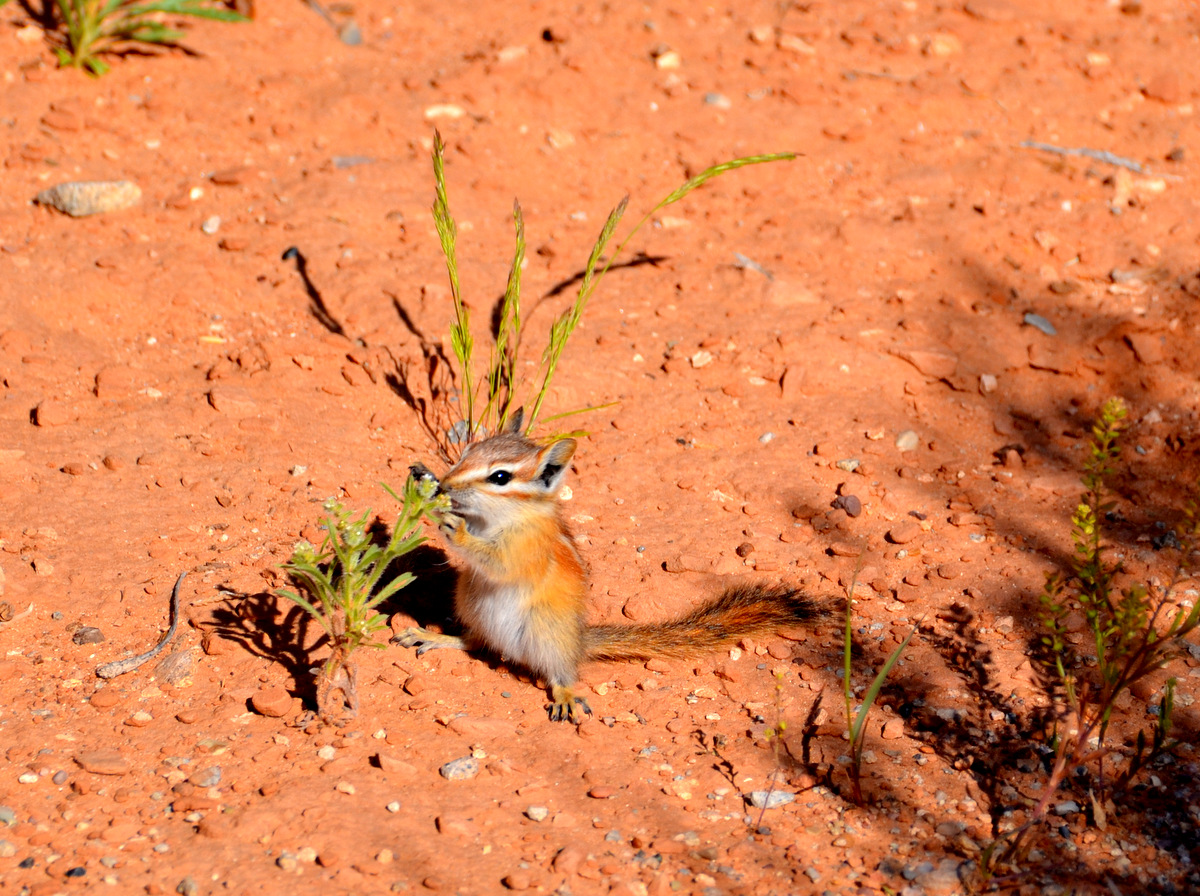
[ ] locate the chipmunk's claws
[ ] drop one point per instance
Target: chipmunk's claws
(566, 707)
(426, 641)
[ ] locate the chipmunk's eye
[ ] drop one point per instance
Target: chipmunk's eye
(500, 477)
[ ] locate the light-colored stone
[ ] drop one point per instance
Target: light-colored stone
(81, 198)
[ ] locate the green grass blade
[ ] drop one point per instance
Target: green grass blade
(200, 9)
(589, 408)
(876, 685)
(309, 608)
(460, 332)
(145, 33)
(564, 324)
(508, 334)
(716, 170)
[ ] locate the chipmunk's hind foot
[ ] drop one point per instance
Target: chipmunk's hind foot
(565, 706)
(425, 640)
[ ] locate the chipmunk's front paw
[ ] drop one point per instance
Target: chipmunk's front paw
(566, 707)
(453, 526)
(425, 640)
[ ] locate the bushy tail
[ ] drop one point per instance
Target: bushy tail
(742, 611)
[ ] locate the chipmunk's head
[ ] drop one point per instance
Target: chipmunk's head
(507, 478)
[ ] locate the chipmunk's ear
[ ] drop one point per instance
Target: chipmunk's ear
(552, 463)
(514, 423)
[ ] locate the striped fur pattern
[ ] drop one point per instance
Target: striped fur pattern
(740, 612)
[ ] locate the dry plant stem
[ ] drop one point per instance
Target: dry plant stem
(120, 667)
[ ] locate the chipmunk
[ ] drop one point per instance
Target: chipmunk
(522, 594)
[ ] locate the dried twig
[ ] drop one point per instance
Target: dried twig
(1100, 155)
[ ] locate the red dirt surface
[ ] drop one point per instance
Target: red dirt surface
(175, 399)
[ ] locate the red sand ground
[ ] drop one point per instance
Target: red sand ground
(170, 401)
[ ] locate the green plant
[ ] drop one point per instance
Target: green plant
(1134, 631)
(342, 582)
(96, 27)
(499, 380)
(856, 721)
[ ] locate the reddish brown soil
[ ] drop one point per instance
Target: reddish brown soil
(173, 400)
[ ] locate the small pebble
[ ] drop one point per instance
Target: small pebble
(1040, 323)
(7, 816)
(912, 872)
(849, 465)
(904, 532)
(60, 777)
(849, 503)
(211, 225)
(103, 762)
(1067, 807)
(770, 799)
(208, 777)
(393, 806)
(537, 813)
(271, 701)
(86, 634)
(7, 849)
(719, 100)
(460, 769)
(77, 871)
(81, 198)
(907, 440)
(187, 887)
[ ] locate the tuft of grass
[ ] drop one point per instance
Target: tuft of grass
(491, 411)
(1134, 631)
(99, 27)
(339, 586)
(856, 720)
